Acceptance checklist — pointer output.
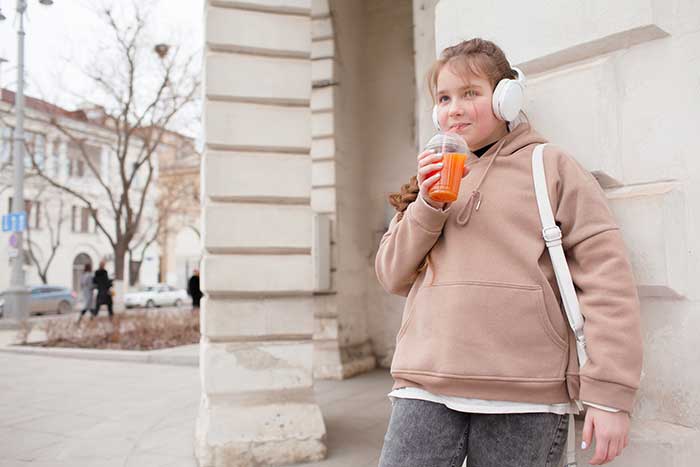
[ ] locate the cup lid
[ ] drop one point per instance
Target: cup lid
(451, 142)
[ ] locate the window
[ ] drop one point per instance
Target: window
(84, 219)
(6, 145)
(55, 157)
(28, 204)
(94, 155)
(80, 224)
(40, 150)
(37, 215)
(76, 163)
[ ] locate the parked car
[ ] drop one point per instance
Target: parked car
(47, 299)
(156, 295)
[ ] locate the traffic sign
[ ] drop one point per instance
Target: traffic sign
(14, 222)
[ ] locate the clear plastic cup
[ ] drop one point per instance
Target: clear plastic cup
(454, 152)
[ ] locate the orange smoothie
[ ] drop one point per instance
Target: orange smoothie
(447, 187)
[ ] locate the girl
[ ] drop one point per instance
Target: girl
(485, 363)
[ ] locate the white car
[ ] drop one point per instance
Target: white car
(156, 295)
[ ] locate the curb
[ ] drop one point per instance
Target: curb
(160, 357)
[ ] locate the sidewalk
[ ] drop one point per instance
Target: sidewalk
(76, 412)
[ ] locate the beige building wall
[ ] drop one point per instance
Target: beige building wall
(363, 94)
(616, 84)
(390, 148)
(341, 344)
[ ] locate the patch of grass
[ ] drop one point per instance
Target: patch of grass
(135, 330)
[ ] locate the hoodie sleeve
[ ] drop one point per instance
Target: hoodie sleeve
(406, 243)
(605, 285)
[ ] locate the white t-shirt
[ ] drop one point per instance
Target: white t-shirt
(463, 404)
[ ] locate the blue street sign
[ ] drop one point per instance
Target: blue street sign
(14, 222)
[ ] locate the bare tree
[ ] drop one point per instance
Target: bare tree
(53, 220)
(144, 92)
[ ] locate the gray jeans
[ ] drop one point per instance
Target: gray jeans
(428, 434)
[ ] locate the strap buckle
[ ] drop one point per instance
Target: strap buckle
(552, 235)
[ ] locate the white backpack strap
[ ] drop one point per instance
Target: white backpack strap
(552, 237)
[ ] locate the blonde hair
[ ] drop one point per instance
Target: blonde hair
(475, 56)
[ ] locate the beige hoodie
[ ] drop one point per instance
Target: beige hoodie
(483, 320)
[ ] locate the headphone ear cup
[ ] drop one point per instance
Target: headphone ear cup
(436, 122)
(507, 99)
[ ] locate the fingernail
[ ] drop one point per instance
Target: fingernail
(583, 445)
(440, 164)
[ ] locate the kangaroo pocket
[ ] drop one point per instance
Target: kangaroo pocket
(480, 329)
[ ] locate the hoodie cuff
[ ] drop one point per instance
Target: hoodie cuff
(426, 216)
(601, 407)
(607, 393)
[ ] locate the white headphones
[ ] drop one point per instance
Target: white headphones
(508, 99)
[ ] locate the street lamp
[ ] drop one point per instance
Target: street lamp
(17, 295)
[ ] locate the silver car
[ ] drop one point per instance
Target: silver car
(47, 299)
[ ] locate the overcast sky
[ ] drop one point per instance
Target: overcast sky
(68, 31)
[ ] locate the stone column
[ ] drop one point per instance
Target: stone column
(257, 405)
(615, 83)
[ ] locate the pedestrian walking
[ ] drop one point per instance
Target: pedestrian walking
(103, 284)
(193, 289)
(86, 290)
(486, 365)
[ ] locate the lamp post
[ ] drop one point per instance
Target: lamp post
(17, 296)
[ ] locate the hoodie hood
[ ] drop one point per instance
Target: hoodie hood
(520, 137)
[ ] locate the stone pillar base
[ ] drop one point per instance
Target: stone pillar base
(652, 444)
(332, 361)
(250, 433)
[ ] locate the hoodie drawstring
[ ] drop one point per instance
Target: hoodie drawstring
(474, 200)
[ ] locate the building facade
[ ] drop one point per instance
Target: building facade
(179, 211)
(308, 129)
(60, 225)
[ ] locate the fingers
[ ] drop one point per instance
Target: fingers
(615, 449)
(429, 163)
(466, 171)
(429, 182)
(587, 434)
(601, 451)
(428, 169)
(430, 154)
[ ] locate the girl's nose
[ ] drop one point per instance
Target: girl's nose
(455, 110)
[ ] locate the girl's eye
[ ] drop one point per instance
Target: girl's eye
(470, 93)
(443, 99)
